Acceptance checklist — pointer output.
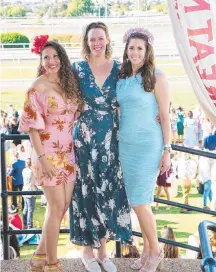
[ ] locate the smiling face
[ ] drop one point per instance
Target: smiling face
(50, 60)
(136, 51)
(97, 41)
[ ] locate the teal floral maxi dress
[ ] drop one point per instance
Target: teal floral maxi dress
(99, 204)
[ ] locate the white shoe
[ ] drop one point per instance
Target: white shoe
(91, 265)
(107, 265)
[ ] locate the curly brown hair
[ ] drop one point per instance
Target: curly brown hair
(85, 48)
(148, 68)
(68, 81)
(170, 251)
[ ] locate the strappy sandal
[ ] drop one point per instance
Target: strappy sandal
(40, 262)
(139, 263)
(152, 264)
(53, 267)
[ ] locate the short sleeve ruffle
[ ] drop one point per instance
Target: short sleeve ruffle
(34, 112)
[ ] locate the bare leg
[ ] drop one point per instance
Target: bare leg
(88, 252)
(58, 199)
(146, 242)
(167, 192)
(148, 227)
(102, 250)
(159, 189)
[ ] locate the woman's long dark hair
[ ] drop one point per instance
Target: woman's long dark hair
(68, 81)
(169, 250)
(148, 68)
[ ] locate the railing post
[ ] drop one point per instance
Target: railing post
(118, 249)
(4, 200)
(208, 262)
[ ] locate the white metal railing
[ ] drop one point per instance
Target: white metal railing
(73, 50)
(115, 44)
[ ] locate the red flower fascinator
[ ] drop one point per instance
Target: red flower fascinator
(38, 43)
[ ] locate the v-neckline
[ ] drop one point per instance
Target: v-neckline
(100, 89)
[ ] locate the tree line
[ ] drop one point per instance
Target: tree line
(80, 8)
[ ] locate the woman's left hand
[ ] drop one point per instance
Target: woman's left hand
(165, 162)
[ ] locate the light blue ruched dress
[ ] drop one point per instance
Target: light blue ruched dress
(140, 139)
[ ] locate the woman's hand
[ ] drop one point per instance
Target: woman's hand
(48, 169)
(165, 162)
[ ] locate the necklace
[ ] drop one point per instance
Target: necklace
(53, 82)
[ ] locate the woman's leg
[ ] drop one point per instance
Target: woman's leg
(148, 226)
(88, 252)
(58, 200)
(159, 189)
(102, 250)
(69, 187)
(146, 242)
(167, 192)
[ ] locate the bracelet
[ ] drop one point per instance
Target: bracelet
(39, 157)
(168, 148)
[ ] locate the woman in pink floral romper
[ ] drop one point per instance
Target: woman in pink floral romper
(49, 113)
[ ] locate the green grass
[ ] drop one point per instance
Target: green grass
(13, 97)
(181, 91)
(183, 225)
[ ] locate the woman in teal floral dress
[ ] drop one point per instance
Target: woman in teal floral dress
(100, 209)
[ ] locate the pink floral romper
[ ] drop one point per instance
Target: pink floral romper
(54, 119)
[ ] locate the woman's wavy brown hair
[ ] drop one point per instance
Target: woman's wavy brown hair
(169, 250)
(85, 48)
(68, 81)
(148, 68)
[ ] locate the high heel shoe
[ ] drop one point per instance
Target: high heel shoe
(53, 267)
(37, 262)
(152, 264)
(139, 263)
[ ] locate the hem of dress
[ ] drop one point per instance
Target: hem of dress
(79, 243)
(142, 203)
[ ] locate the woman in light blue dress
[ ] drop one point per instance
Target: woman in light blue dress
(144, 144)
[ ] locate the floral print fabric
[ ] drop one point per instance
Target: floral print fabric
(54, 119)
(99, 204)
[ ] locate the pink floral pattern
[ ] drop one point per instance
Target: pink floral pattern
(54, 119)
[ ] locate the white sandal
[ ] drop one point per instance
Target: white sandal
(139, 263)
(91, 265)
(107, 265)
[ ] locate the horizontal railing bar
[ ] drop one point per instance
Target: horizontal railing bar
(16, 193)
(5, 137)
(184, 206)
(194, 151)
(159, 200)
(174, 147)
(173, 243)
(33, 231)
